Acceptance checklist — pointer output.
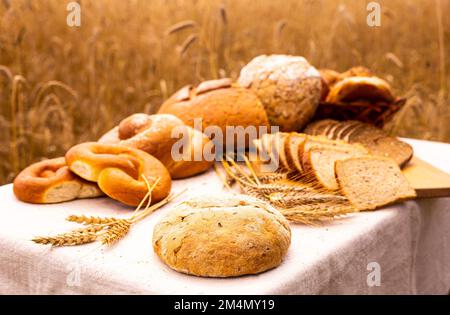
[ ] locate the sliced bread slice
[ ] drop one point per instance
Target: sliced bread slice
(317, 127)
(293, 145)
(319, 162)
(401, 152)
(321, 142)
(346, 127)
(370, 182)
(271, 155)
(376, 140)
(281, 148)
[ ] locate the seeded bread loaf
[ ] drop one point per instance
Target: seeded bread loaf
(371, 182)
(222, 237)
(288, 86)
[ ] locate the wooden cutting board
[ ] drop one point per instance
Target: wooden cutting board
(427, 180)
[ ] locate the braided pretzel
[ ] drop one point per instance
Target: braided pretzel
(154, 135)
(51, 181)
(119, 171)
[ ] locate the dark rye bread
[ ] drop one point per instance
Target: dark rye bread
(377, 141)
(370, 182)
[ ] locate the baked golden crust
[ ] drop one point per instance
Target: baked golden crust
(288, 86)
(153, 134)
(119, 171)
(222, 237)
(192, 159)
(51, 181)
(217, 103)
(356, 88)
(358, 71)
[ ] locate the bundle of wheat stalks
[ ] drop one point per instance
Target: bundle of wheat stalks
(299, 198)
(107, 230)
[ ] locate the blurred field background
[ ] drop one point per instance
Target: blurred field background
(61, 85)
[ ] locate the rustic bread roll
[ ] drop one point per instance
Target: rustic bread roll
(195, 153)
(357, 71)
(222, 237)
(120, 171)
(157, 135)
(360, 88)
(288, 86)
(51, 181)
(216, 103)
(329, 77)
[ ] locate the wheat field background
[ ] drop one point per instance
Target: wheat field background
(62, 85)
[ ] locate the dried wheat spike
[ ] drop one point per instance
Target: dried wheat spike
(309, 214)
(116, 231)
(67, 239)
(82, 219)
(267, 178)
(291, 199)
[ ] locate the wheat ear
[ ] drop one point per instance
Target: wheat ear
(107, 230)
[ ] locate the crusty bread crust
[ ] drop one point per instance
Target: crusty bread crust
(222, 237)
(217, 103)
(154, 135)
(119, 171)
(354, 88)
(288, 86)
(51, 181)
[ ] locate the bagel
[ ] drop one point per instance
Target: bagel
(154, 134)
(119, 171)
(51, 181)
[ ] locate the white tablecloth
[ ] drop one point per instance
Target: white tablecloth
(410, 242)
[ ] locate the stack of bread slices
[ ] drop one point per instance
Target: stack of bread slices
(368, 181)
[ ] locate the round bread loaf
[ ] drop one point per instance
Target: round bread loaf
(288, 86)
(222, 236)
